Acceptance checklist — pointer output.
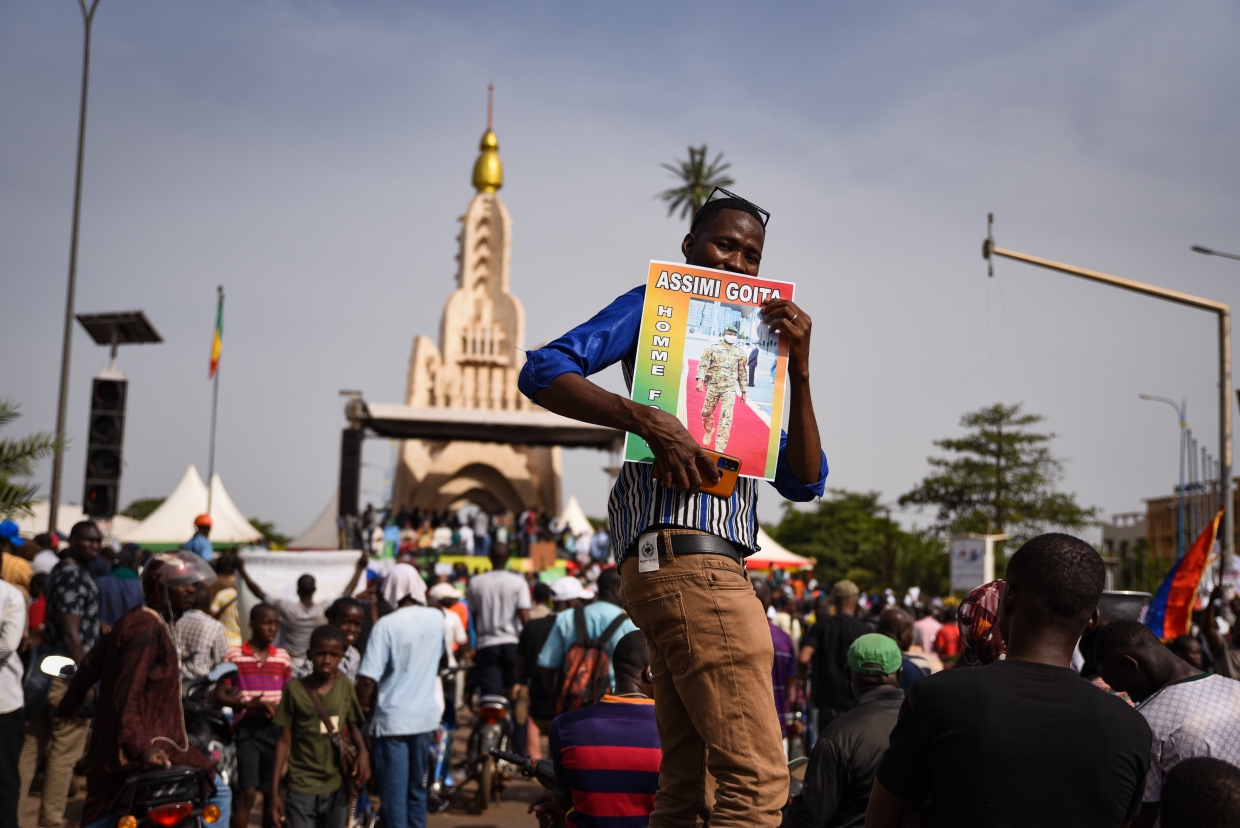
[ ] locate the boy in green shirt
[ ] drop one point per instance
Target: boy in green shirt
(317, 796)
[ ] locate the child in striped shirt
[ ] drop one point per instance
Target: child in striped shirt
(262, 671)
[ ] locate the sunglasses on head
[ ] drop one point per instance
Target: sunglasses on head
(722, 193)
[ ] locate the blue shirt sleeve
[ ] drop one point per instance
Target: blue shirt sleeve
(199, 545)
(604, 340)
(786, 482)
(374, 663)
(552, 654)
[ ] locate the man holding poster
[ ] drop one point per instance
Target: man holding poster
(681, 551)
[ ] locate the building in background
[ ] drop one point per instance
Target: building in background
(475, 366)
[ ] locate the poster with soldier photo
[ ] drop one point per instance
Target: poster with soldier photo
(705, 356)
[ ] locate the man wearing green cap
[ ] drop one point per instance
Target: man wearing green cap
(842, 767)
(721, 374)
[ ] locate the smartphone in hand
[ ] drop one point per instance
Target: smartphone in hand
(729, 468)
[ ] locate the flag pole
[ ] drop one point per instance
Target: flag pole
(215, 396)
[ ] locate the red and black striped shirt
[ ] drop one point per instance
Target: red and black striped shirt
(607, 757)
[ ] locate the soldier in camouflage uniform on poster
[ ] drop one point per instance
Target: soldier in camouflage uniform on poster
(721, 372)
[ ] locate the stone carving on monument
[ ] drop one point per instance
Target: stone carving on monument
(475, 366)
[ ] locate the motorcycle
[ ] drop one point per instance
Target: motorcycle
(796, 775)
(439, 783)
(207, 726)
(541, 770)
(175, 797)
(491, 728)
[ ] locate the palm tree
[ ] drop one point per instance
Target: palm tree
(17, 459)
(697, 180)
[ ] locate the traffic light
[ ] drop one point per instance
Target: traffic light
(104, 441)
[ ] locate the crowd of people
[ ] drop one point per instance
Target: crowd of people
(472, 531)
(141, 627)
(883, 693)
(671, 684)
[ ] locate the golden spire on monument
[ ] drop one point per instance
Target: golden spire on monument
(488, 171)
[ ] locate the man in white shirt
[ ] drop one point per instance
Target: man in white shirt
(12, 717)
(1191, 713)
(455, 637)
(482, 533)
(299, 618)
(397, 688)
(499, 603)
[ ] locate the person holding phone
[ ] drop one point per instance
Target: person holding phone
(681, 551)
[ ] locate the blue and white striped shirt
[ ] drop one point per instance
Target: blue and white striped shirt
(637, 500)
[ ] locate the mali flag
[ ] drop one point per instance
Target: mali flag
(1171, 611)
(217, 341)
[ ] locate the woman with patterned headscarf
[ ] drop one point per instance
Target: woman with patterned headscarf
(979, 625)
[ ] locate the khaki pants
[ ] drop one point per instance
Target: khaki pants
(711, 653)
(63, 741)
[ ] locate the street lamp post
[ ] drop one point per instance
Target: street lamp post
(1222, 310)
(58, 455)
(1181, 411)
(1206, 251)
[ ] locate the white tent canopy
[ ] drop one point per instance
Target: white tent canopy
(774, 556)
(173, 521)
(67, 515)
(322, 534)
(575, 517)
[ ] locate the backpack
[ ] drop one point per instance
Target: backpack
(586, 666)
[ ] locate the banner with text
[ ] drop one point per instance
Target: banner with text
(705, 356)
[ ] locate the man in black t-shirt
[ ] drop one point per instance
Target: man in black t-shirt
(533, 636)
(825, 647)
(1025, 741)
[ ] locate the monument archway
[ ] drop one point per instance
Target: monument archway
(466, 431)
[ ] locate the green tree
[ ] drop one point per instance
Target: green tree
(141, 508)
(18, 456)
(267, 528)
(1000, 477)
(850, 535)
(697, 178)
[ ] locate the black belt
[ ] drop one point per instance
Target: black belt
(695, 544)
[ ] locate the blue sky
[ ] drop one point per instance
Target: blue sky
(313, 157)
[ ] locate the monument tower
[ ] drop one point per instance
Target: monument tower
(475, 366)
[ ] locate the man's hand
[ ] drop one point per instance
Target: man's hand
(804, 447)
(793, 326)
(744, 396)
(550, 810)
(259, 703)
(155, 758)
(698, 385)
(228, 695)
(682, 462)
(275, 807)
(361, 770)
(362, 561)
